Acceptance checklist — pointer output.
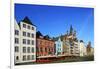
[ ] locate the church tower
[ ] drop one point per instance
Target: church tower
(71, 30)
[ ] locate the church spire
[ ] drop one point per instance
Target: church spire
(71, 30)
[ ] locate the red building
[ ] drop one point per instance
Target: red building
(44, 46)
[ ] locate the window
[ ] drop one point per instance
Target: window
(71, 47)
(28, 49)
(41, 49)
(71, 51)
(40, 42)
(28, 41)
(32, 49)
(32, 35)
(24, 57)
(28, 34)
(17, 58)
(24, 33)
(28, 57)
(45, 49)
(28, 27)
(49, 49)
(16, 32)
(24, 25)
(16, 40)
(16, 49)
(32, 28)
(24, 49)
(32, 57)
(24, 41)
(52, 49)
(32, 42)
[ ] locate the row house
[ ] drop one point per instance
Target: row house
(82, 48)
(45, 47)
(76, 48)
(59, 47)
(25, 41)
(70, 43)
(66, 45)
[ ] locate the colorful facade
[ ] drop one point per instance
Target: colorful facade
(45, 47)
(29, 45)
(59, 47)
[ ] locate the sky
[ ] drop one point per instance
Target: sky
(56, 20)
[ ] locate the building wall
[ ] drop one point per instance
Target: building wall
(59, 47)
(92, 51)
(73, 45)
(29, 45)
(85, 52)
(88, 51)
(26, 43)
(66, 48)
(45, 47)
(81, 44)
(76, 49)
(66, 45)
(72, 49)
(17, 43)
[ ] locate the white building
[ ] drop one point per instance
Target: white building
(27, 41)
(17, 43)
(82, 48)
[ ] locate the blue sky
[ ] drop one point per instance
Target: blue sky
(56, 20)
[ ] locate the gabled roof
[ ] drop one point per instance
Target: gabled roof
(27, 20)
(39, 34)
